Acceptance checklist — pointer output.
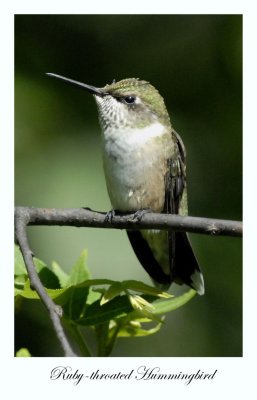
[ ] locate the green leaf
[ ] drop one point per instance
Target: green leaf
(163, 307)
(131, 330)
(117, 287)
(114, 290)
(23, 353)
(47, 277)
(61, 275)
(78, 295)
(19, 266)
(19, 281)
(96, 314)
(58, 295)
(138, 286)
(76, 302)
(73, 296)
(97, 282)
(93, 296)
(79, 272)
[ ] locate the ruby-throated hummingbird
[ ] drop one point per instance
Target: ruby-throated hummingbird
(145, 168)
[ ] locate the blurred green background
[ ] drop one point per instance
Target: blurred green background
(195, 61)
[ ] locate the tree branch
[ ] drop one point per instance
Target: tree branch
(83, 217)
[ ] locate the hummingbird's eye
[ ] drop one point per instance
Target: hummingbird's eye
(130, 99)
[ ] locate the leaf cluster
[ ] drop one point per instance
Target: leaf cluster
(112, 309)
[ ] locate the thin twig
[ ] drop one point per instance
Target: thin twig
(55, 311)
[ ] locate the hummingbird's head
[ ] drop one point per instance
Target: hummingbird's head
(131, 103)
(128, 103)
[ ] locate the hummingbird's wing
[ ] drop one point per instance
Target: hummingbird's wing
(180, 264)
(175, 184)
(184, 267)
(175, 179)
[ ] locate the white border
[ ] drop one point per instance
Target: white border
(30, 377)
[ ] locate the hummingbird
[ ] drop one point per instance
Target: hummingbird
(144, 162)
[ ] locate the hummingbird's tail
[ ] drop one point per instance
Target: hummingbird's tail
(187, 269)
(183, 269)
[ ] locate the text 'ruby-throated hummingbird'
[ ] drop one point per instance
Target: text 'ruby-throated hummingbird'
(145, 168)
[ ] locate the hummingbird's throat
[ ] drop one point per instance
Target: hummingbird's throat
(114, 114)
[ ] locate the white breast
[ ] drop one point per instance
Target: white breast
(130, 161)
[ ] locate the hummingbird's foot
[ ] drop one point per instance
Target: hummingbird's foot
(109, 216)
(88, 209)
(137, 216)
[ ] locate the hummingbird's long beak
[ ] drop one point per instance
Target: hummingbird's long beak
(91, 89)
